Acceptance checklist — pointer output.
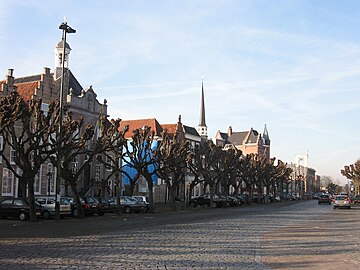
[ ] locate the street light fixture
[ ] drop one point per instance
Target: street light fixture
(66, 29)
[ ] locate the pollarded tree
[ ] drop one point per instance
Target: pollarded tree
(245, 172)
(111, 144)
(26, 131)
(74, 142)
(202, 162)
(171, 156)
(352, 172)
(226, 166)
(282, 176)
(140, 154)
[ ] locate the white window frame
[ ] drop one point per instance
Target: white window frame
(109, 163)
(97, 171)
(37, 182)
(12, 155)
(8, 178)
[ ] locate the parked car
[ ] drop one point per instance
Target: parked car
(104, 205)
(142, 199)
(231, 200)
(324, 198)
(128, 205)
(205, 200)
(18, 208)
(244, 198)
(48, 206)
(89, 205)
(342, 201)
(357, 199)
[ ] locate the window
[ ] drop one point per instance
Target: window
(7, 182)
(45, 108)
(74, 165)
(109, 163)
(97, 171)
(37, 182)
(12, 155)
(19, 202)
(50, 178)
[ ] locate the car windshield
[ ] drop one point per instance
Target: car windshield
(341, 197)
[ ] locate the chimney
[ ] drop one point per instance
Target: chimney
(10, 78)
(230, 131)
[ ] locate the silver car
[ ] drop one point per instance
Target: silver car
(48, 206)
(342, 201)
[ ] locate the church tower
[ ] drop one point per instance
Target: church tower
(59, 50)
(202, 128)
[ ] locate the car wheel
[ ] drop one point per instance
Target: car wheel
(214, 205)
(127, 209)
(22, 216)
(46, 215)
(101, 213)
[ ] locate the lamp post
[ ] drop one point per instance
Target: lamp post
(49, 177)
(65, 30)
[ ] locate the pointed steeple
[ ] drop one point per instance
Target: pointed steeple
(202, 128)
(266, 136)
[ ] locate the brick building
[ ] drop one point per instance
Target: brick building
(81, 101)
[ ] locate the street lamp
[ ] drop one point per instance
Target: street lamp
(49, 177)
(66, 29)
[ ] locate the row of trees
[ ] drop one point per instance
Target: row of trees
(34, 138)
(352, 172)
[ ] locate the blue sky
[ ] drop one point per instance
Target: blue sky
(292, 65)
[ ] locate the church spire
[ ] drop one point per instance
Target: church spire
(202, 128)
(266, 136)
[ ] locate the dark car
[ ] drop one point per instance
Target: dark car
(324, 198)
(231, 200)
(18, 208)
(205, 200)
(89, 205)
(104, 205)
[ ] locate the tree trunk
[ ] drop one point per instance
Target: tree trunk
(172, 190)
(32, 200)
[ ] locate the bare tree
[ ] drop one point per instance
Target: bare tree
(74, 142)
(26, 131)
(352, 172)
(172, 155)
(139, 155)
(111, 142)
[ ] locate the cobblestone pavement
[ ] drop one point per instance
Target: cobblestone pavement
(277, 236)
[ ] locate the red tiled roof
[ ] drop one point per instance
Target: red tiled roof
(27, 90)
(136, 124)
(170, 128)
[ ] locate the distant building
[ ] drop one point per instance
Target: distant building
(182, 132)
(249, 142)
